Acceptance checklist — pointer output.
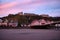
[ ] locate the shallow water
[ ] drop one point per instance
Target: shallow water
(29, 34)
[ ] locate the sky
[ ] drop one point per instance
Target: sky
(50, 7)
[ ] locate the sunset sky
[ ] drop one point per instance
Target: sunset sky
(50, 7)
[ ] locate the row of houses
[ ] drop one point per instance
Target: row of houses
(12, 23)
(6, 23)
(26, 20)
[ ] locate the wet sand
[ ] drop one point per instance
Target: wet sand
(29, 34)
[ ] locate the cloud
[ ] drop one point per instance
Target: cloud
(18, 2)
(28, 6)
(8, 5)
(14, 3)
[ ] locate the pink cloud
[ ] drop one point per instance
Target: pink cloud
(14, 3)
(24, 5)
(8, 5)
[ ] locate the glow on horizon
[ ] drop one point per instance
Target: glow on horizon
(50, 7)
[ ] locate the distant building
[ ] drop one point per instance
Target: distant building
(44, 15)
(1, 20)
(13, 23)
(6, 20)
(35, 22)
(20, 13)
(40, 22)
(30, 14)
